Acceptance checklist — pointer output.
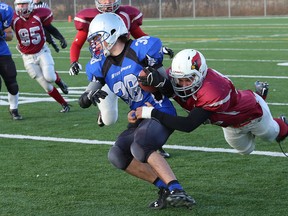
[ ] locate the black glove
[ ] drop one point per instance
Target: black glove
(168, 51)
(75, 67)
(94, 96)
(63, 43)
(153, 78)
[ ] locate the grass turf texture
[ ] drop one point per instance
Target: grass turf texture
(62, 178)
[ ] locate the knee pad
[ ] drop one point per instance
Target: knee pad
(141, 154)
(118, 158)
(48, 87)
(13, 88)
(250, 148)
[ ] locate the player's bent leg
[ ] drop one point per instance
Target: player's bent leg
(244, 143)
(267, 128)
(118, 158)
(147, 139)
(108, 107)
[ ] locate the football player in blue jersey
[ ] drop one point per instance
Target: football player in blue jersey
(117, 62)
(7, 66)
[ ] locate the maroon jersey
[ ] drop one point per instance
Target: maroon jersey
(130, 15)
(218, 95)
(29, 32)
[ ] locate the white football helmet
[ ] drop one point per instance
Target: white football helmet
(106, 27)
(24, 11)
(112, 6)
(189, 64)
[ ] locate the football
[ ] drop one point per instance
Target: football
(150, 89)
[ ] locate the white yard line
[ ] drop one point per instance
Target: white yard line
(102, 142)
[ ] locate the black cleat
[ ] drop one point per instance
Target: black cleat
(63, 86)
(65, 108)
(15, 115)
(161, 202)
(262, 89)
(162, 152)
(178, 198)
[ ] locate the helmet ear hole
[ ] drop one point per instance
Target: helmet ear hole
(112, 31)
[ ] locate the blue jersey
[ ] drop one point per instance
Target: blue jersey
(6, 15)
(120, 73)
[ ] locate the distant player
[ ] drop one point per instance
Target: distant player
(28, 25)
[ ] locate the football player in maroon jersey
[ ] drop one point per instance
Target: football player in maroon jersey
(132, 17)
(28, 24)
(209, 96)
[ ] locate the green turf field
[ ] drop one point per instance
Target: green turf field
(56, 164)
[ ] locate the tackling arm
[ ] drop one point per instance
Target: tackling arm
(54, 31)
(196, 117)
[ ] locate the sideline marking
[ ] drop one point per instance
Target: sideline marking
(100, 142)
(283, 64)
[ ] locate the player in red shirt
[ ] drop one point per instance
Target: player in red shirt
(132, 17)
(28, 24)
(209, 96)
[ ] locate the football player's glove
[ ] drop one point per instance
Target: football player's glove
(94, 96)
(63, 43)
(168, 51)
(153, 78)
(75, 67)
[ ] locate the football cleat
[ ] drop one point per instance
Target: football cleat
(262, 89)
(161, 202)
(162, 152)
(62, 86)
(65, 108)
(178, 198)
(15, 115)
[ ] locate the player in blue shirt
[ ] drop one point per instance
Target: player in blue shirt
(7, 66)
(117, 62)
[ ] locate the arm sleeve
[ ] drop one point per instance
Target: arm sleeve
(54, 31)
(186, 124)
(137, 32)
(76, 45)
